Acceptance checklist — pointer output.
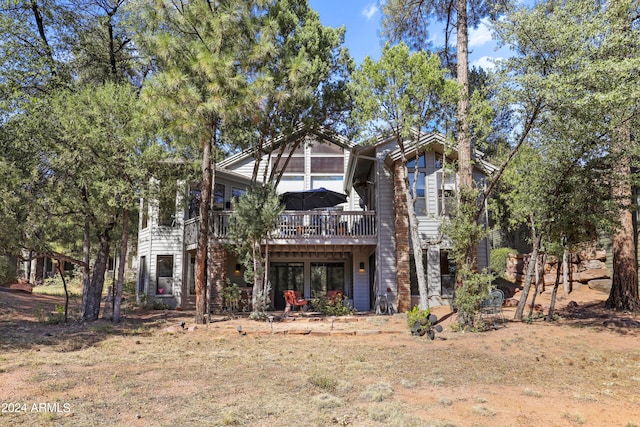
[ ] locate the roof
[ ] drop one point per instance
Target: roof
(436, 140)
(300, 131)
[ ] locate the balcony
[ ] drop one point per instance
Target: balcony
(341, 226)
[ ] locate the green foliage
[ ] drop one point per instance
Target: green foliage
(336, 306)
(474, 288)
(401, 92)
(231, 296)
(56, 318)
(7, 271)
(462, 229)
(416, 314)
(261, 301)
(498, 260)
(252, 220)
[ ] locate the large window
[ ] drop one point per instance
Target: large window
(447, 274)
(167, 203)
(218, 196)
(164, 275)
(420, 196)
(327, 276)
(421, 201)
(414, 276)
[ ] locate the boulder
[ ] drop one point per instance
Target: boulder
(591, 264)
(602, 285)
(21, 287)
(588, 275)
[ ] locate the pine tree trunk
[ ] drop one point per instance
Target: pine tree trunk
(464, 136)
(203, 233)
(624, 286)
(91, 309)
(121, 264)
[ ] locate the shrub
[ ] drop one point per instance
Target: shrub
(231, 296)
(7, 271)
(469, 296)
(415, 315)
(498, 260)
(332, 306)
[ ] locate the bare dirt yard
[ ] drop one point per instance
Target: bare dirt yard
(365, 370)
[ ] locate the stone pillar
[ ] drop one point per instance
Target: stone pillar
(403, 260)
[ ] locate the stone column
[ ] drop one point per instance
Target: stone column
(403, 260)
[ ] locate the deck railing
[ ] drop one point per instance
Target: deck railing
(299, 225)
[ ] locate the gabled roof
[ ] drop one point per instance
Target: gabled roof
(437, 140)
(300, 131)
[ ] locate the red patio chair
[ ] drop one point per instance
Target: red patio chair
(335, 296)
(294, 300)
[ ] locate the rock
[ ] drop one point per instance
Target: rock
(602, 285)
(538, 308)
(592, 264)
(601, 255)
(21, 287)
(511, 302)
(572, 305)
(193, 328)
(586, 276)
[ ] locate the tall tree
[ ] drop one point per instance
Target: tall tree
(410, 20)
(582, 75)
(405, 95)
(199, 48)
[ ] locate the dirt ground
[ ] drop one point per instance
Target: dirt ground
(364, 370)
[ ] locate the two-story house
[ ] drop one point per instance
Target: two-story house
(359, 247)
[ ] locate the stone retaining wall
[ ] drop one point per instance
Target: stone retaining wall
(586, 267)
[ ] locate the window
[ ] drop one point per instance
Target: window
(145, 214)
(191, 276)
(218, 196)
(167, 203)
(446, 202)
(194, 202)
(421, 201)
(333, 183)
(446, 182)
(447, 274)
(164, 275)
(327, 164)
(420, 196)
(142, 275)
(414, 276)
(328, 276)
(237, 192)
(296, 164)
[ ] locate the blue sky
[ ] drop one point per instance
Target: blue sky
(362, 19)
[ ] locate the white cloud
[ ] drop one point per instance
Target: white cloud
(486, 62)
(481, 35)
(370, 10)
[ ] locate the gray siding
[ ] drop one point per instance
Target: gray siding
(386, 253)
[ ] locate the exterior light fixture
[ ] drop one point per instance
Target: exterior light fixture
(361, 267)
(237, 270)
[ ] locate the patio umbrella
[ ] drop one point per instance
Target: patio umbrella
(312, 199)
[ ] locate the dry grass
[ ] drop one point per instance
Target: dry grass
(141, 373)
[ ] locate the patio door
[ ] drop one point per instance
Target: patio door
(283, 276)
(327, 276)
